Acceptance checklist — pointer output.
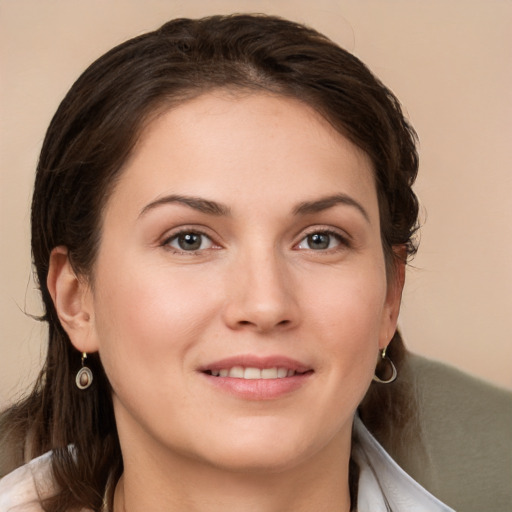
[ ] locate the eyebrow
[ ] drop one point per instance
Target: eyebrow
(218, 209)
(324, 203)
(197, 203)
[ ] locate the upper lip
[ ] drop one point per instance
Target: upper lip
(253, 361)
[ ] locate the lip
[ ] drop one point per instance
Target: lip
(258, 389)
(252, 361)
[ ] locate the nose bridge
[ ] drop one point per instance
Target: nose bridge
(261, 291)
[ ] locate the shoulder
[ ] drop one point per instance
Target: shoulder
(383, 484)
(480, 397)
(466, 427)
(21, 490)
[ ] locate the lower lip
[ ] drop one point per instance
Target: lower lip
(259, 389)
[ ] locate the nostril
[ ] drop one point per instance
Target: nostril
(282, 323)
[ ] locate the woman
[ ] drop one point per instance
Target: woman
(221, 218)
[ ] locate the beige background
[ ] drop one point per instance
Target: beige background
(448, 61)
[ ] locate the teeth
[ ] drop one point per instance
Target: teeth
(281, 373)
(252, 373)
(236, 372)
(249, 373)
(269, 373)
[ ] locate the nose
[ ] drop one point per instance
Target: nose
(261, 295)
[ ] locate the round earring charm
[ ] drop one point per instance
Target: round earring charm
(84, 377)
(391, 366)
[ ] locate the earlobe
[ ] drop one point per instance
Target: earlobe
(71, 297)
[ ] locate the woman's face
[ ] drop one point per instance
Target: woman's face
(240, 295)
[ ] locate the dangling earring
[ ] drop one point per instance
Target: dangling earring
(394, 373)
(84, 376)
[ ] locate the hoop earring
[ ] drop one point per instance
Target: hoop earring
(84, 376)
(394, 373)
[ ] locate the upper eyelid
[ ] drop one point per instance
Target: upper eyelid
(343, 242)
(185, 232)
(324, 229)
(165, 242)
(174, 232)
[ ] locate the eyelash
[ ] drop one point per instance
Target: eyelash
(183, 232)
(343, 241)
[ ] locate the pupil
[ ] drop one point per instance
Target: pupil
(189, 241)
(318, 241)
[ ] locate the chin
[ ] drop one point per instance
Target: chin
(271, 449)
(256, 461)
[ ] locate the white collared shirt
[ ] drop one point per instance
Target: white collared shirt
(383, 485)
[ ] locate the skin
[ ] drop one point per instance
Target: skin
(257, 286)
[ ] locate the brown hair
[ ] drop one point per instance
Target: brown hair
(90, 137)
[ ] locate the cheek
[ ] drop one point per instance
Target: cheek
(349, 314)
(150, 320)
(350, 301)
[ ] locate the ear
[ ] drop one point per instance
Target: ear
(396, 280)
(72, 299)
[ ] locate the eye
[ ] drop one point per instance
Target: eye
(189, 241)
(321, 241)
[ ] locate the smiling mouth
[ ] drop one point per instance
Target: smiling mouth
(252, 373)
(255, 378)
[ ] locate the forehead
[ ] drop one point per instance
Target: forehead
(244, 146)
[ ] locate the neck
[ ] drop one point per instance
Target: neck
(177, 483)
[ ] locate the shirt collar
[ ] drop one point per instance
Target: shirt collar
(383, 485)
